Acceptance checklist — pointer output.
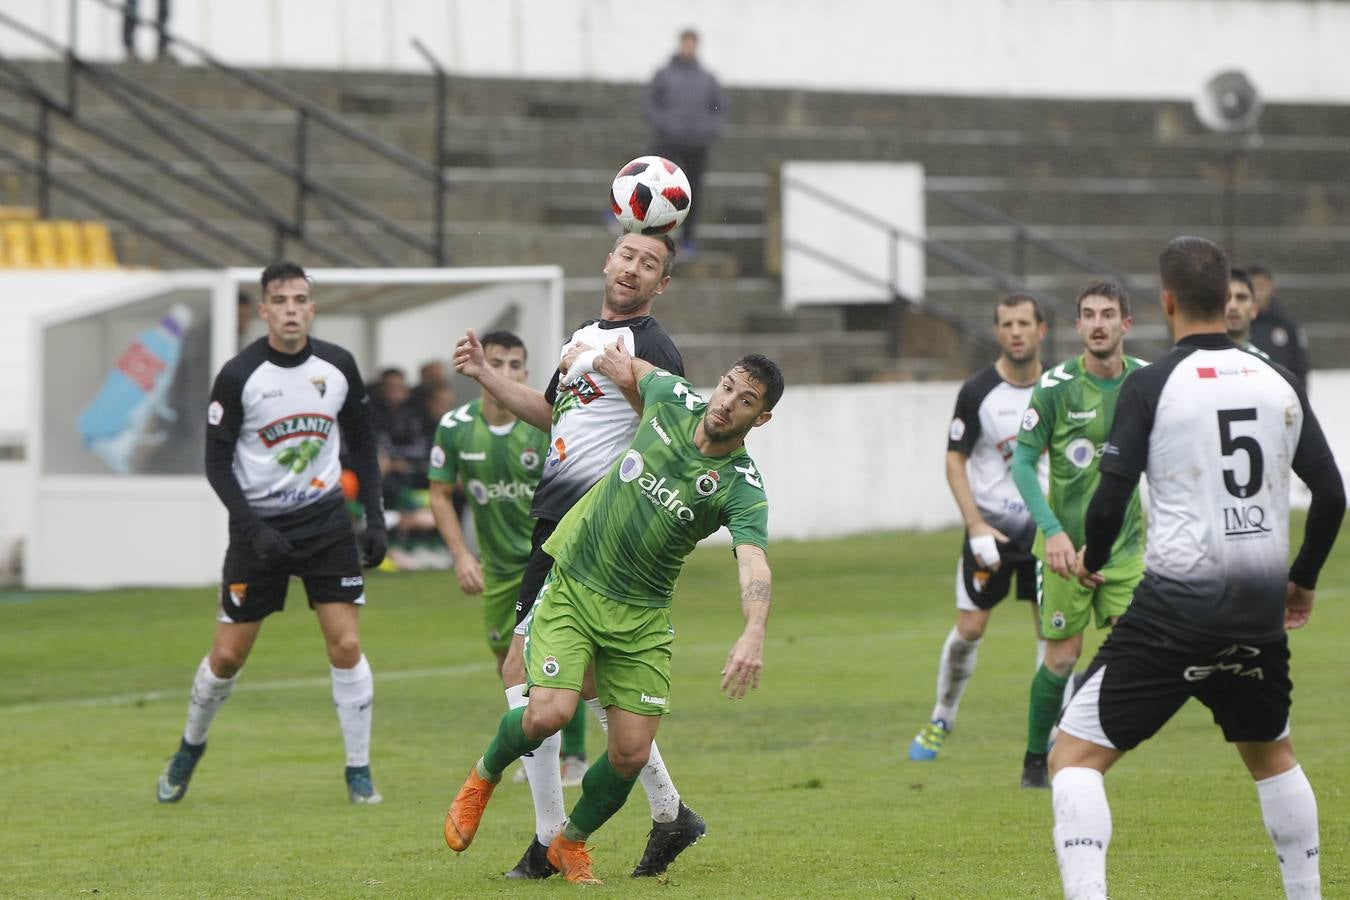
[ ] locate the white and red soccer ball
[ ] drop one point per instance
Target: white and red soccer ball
(650, 195)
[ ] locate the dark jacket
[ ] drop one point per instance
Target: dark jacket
(1282, 339)
(684, 104)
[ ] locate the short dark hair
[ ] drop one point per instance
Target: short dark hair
(1111, 290)
(1195, 272)
(766, 373)
(504, 339)
(1242, 276)
(1017, 298)
(284, 270)
(391, 372)
(665, 239)
(689, 33)
(1261, 271)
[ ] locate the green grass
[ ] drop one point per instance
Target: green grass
(805, 785)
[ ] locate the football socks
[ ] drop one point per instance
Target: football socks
(1047, 695)
(657, 784)
(208, 694)
(354, 695)
(1082, 832)
(955, 667)
(603, 792)
(1289, 810)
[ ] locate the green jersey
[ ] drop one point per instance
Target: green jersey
(499, 466)
(1070, 415)
(628, 537)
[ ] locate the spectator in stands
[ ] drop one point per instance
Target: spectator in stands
(398, 430)
(686, 110)
(1274, 331)
(432, 376)
(131, 18)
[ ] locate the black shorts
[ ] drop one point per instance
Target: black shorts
(986, 589)
(536, 570)
(328, 563)
(1146, 674)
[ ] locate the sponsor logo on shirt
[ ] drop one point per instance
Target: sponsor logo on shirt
(584, 389)
(1081, 452)
(660, 432)
(470, 456)
(1030, 420)
(1244, 521)
(1081, 415)
(305, 424)
(272, 395)
(1217, 372)
(484, 494)
(631, 466)
(958, 430)
(352, 581)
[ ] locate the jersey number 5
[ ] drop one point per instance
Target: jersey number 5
(1230, 444)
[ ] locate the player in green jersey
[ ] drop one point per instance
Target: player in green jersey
(1070, 416)
(497, 458)
(617, 554)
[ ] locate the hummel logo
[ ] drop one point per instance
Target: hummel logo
(750, 474)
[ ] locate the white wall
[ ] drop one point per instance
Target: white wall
(1137, 49)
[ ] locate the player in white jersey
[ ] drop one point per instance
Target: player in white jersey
(279, 414)
(590, 421)
(999, 529)
(1218, 430)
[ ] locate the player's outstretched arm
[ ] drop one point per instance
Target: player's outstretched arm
(468, 572)
(741, 673)
(523, 401)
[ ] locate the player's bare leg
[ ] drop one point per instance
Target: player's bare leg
(353, 694)
(211, 687)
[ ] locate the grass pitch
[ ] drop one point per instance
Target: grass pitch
(805, 785)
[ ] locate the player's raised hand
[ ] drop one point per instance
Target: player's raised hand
(469, 356)
(1298, 604)
(617, 364)
(1060, 555)
(741, 673)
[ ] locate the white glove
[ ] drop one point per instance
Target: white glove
(985, 550)
(584, 363)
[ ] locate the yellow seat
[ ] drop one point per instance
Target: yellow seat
(9, 213)
(18, 246)
(99, 252)
(69, 245)
(46, 253)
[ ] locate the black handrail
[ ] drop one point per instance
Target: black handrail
(1024, 235)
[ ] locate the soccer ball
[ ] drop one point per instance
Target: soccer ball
(650, 195)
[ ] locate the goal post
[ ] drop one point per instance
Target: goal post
(119, 384)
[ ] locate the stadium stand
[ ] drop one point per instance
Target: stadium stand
(528, 162)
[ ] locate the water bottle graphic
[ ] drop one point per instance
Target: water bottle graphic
(122, 420)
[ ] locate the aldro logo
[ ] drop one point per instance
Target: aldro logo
(633, 468)
(483, 494)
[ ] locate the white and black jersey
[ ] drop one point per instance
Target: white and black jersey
(593, 422)
(984, 428)
(275, 427)
(1218, 430)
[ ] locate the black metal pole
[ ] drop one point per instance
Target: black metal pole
(44, 186)
(441, 122)
(1230, 201)
(301, 172)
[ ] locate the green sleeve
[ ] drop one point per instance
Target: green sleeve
(1024, 463)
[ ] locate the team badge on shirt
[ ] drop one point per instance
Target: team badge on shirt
(529, 458)
(706, 483)
(320, 384)
(238, 593)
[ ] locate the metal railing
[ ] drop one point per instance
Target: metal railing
(194, 137)
(895, 236)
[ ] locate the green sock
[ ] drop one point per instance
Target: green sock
(574, 734)
(1047, 695)
(603, 793)
(510, 744)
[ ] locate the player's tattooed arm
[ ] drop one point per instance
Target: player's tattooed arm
(746, 661)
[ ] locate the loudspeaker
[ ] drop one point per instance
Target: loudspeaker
(1228, 102)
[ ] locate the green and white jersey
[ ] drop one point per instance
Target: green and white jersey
(499, 466)
(628, 537)
(1070, 415)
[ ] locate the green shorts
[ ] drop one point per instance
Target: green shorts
(1067, 607)
(499, 609)
(570, 626)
